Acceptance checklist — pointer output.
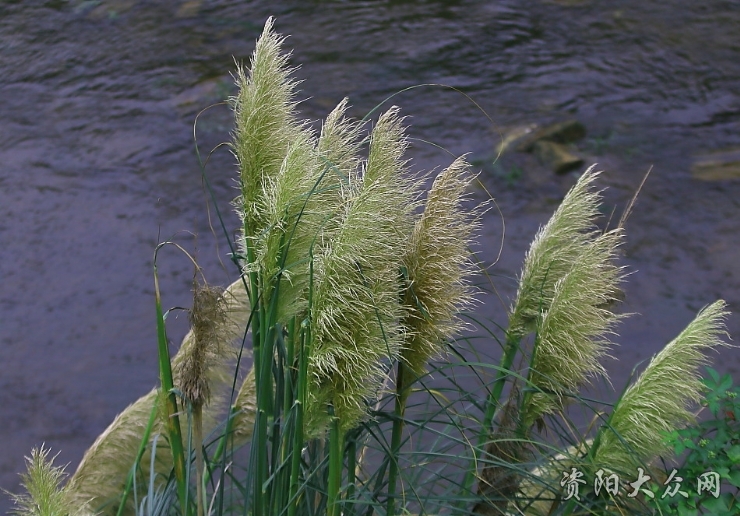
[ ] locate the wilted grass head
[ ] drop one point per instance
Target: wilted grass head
(203, 364)
(206, 318)
(659, 400)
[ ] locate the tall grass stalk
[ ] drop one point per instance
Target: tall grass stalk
(568, 278)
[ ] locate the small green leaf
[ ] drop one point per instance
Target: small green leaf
(687, 511)
(716, 505)
(713, 405)
(714, 374)
(734, 477)
(724, 384)
(678, 447)
(733, 452)
(688, 443)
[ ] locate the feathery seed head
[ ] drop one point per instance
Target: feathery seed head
(340, 142)
(659, 399)
(101, 476)
(44, 494)
(554, 249)
(294, 212)
(246, 406)
(266, 124)
(387, 147)
(568, 278)
(437, 266)
(356, 313)
(573, 331)
(355, 330)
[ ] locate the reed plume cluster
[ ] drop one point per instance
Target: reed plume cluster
(569, 279)
(336, 239)
(567, 292)
(352, 279)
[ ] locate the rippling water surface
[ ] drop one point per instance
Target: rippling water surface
(97, 162)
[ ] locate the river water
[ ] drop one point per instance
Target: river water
(97, 162)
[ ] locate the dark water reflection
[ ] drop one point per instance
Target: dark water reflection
(97, 101)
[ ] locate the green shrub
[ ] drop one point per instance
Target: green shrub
(710, 446)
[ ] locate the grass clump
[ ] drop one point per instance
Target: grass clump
(351, 283)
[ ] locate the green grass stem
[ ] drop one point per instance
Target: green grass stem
(335, 467)
(173, 421)
(396, 434)
(139, 455)
(493, 402)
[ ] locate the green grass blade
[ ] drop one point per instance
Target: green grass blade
(173, 421)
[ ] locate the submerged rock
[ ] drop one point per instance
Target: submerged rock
(551, 144)
(717, 166)
(556, 156)
(569, 131)
(513, 135)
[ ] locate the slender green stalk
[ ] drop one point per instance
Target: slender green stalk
(333, 507)
(259, 445)
(349, 508)
(198, 445)
(304, 354)
(396, 434)
(300, 403)
(173, 421)
(289, 375)
(493, 402)
(139, 455)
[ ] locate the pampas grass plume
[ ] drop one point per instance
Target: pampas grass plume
(572, 333)
(266, 123)
(356, 311)
(438, 265)
(660, 398)
(554, 249)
